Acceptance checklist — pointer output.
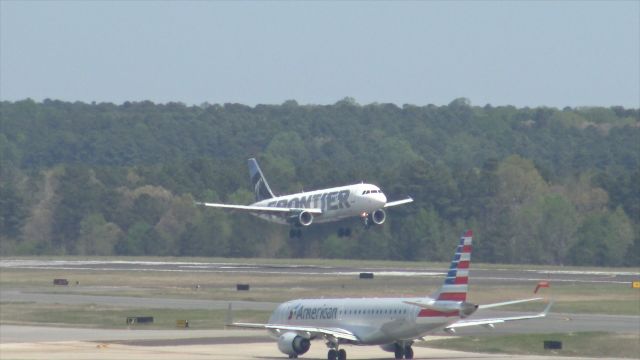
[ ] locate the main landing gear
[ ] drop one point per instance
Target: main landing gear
(403, 351)
(334, 354)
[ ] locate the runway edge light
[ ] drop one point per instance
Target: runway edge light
(635, 284)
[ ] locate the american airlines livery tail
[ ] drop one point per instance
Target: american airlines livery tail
(392, 323)
(366, 201)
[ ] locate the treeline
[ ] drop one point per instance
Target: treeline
(537, 185)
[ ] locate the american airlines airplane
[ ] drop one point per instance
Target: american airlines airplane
(299, 210)
(391, 323)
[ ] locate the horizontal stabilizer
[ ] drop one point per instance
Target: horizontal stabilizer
(492, 321)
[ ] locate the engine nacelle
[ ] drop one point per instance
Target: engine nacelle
(377, 217)
(293, 344)
(303, 218)
(467, 309)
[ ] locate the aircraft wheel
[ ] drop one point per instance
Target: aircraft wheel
(342, 354)
(332, 355)
(408, 352)
(399, 353)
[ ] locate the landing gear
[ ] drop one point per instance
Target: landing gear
(344, 232)
(334, 354)
(342, 354)
(403, 351)
(365, 220)
(295, 233)
(408, 352)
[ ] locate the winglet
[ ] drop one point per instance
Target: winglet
(546, 310)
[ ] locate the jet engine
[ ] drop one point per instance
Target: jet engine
(293, 344)
(467, 309)
(303, 218)
(377, 217)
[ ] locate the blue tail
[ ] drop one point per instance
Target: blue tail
(260, 186)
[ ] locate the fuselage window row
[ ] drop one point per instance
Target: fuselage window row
(372, 312)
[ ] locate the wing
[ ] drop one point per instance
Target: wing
(487, 306)
(492, 321)
(261, 209)
(310, 331)
(398, 202)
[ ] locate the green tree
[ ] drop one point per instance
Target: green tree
(13, 211)
(97, 236)
(547, 230)
(603, 239)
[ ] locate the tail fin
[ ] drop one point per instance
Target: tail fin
(456, 284)
(260, 187)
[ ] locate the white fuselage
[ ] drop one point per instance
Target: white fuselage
(375, 321)
(336, 203)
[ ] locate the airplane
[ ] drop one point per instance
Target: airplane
(321, 206)
(392, 323)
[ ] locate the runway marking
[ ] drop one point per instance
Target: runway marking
(252, 268)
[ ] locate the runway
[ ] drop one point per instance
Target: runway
(480, 273)
(208, 344)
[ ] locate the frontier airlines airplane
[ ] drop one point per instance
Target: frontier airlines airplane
(360, 200)
(392, 323)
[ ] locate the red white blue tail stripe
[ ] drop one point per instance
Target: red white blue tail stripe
(456, 284)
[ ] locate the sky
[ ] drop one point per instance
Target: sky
(542, 53)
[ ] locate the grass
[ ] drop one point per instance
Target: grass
(106, 317)
(592, 344)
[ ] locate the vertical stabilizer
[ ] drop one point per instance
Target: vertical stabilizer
(456, 284)
(260, 186)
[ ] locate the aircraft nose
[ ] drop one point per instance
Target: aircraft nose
(382, 198)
